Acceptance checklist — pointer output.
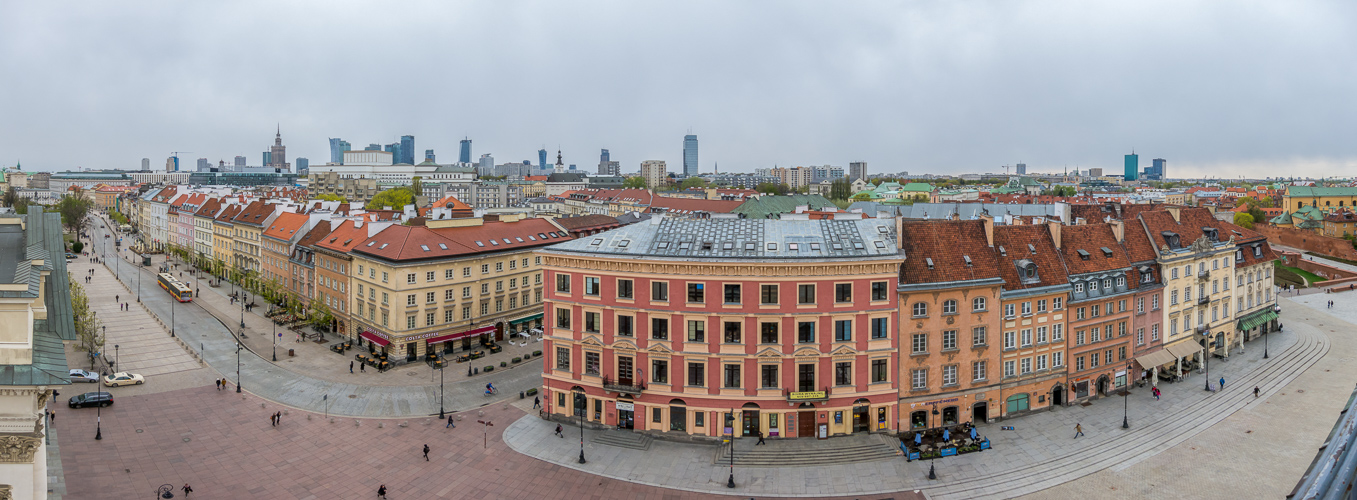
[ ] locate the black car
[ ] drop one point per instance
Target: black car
(91, 399)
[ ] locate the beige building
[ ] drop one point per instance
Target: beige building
(356, 190)
(655, 173)
(1196, 254)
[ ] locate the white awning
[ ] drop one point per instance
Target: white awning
(1184, 349)
(1155, 358)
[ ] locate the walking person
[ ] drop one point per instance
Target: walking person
(450, 424)
(558, 431)
(350, 366)
(117, 298)
(273, 420)
(363, 368)
(760, 439)
(381, 492)
(536, 402)
(1255, 391)
(1078, 430)
(218, 381)
(1222, 383)
(1155, 391)
(426, 453)
(187, 489)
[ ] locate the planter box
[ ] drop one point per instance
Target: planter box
(503, 364)
(488, 369)
(532, 392)
(518, 360)
(537, 353)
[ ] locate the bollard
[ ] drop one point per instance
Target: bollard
(520, 395)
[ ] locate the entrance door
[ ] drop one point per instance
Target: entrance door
(980, 413)
(411, 353)
(624, 370)
(1058, 396)
(499, 331)
(861, 419)
(1081, 389)
(749, 422)
(805, 424)
(1102, 385)
(625, 419)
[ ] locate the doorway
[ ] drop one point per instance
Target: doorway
(499, 331)
(1102, 385)
(749, 423)
(410, 352)
(805, 423)
(1058, 396)
(862, 418)
(980, 413)
(626, 419)
(1081, 389)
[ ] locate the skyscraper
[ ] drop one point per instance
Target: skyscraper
(407, 149)
(1021, 169)
(857, 170)
(146, 164)
(303, 165)
(172, 164)
(240, 161)
(1132, 167)
(1158, 166)
(465, 155)
(268, 161)
(373, 147)
(428, 155)
(203, 165)
(486, 166)
(278, 152)
(606, 166)
(541, 159)
(690, 155)
(337, 149)
(603, 156)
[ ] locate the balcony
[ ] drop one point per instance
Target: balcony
(1203, 275)
(1203, 300)
(1202, 329)
(615, 386)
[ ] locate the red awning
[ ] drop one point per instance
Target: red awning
(469, 333)
(374, 338)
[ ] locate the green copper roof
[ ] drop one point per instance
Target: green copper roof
(765, 207)
(1302, 191)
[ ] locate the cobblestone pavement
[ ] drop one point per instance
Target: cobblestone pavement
(1039, 454)
(1260, 451)
(143, 345)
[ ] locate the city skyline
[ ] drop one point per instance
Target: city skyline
(945, 89)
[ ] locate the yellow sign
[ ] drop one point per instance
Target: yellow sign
(807, 395)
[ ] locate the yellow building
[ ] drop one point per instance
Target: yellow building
(1196, 254)
(1326, 198)
(248, 228)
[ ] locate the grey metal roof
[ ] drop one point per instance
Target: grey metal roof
(967, 211)
(39, 239)
(736, 239)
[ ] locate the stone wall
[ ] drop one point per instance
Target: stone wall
(1308, 241)
(1319, 269)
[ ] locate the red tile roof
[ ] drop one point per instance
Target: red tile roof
(691, 206)
(229, 213)
(588, 222)
(209, 208)
(254, 214)
(1014, 242)
(316, 234)
(401, 243)
(286, 226)
(946, 244)
(344, 237)
(1091, 239)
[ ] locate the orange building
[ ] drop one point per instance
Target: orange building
(1034, 318)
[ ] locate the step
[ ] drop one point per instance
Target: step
(785, 456)
(624, 439)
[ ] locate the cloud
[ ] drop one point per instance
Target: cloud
(948, 87)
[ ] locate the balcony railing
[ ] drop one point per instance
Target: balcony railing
(613, 386)
(1203, 300)
(1203, 275)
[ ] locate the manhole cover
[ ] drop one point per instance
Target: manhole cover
(187, 439)
(1298, 391)
(352, 396)
(139, 431)
(410, 374)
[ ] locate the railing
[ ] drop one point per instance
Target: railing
(610, 385)
(1203, 275)
(1203, 300)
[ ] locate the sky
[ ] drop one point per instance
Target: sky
(1221, 89)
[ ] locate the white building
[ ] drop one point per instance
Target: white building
(377, 165)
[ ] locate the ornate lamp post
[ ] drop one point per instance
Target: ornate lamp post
(730, 424)
(441, 394)
(238, 348)
(581, 404)
(165, 491)
(1276, 309)
(1125, 400)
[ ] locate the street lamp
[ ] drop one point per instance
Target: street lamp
(581, 406)
(99, 421)
(1276, 309)
(441, 394)
(1206, 360)
(730, 424)
(275, 341)
(1125, 400)
(165, 491)
(115, 353)
(172, 308)
(238, 348)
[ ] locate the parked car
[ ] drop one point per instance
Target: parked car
(70, 256)
(123, 378)
(78, 375)
(91, 399)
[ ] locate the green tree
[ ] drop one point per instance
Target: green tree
(1244, 220)
(22, 206)
(319, 316)
(862, 197)
(332, 197)
(634, 182)
(10, 197)
(840, 189)
(89, 336)
(74, 209)
(693, 182)
(770, 188)
(417, 186)
(394, 198)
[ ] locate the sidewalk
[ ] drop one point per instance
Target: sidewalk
(143, 346)
(213, 331)
(1039, 454)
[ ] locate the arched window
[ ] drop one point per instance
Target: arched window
(920, 309)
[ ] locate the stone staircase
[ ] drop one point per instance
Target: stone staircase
(624, 439)
(810, 452)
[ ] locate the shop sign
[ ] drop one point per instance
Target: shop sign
(806, 395)
(625, 406)
(938, 402)
(949, 452)
(984, 445)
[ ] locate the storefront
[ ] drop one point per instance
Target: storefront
(1158, 363)
(1257, 323)
(925, 413)
(526, 323)
(446, 343)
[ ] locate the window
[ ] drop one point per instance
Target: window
(1079, 363)
(410, 322)
(1078, 288)
(949, 307)
(659, 328)
(919, 343)
(1041, 362)
(1108, 356)
(880, 370)
(410, 299)
(1095, 309)
(978, 370)
(768, 294)
(879, 290)
(732, 294)
(1058, 303)
(1079, 338)
(659, 371)
(1041, 306)
(447, 274)
(978, 304)
(695, 374)
(1140, 336)
(1026, 308)
(1009, 368)
(920, 309)
(410, 278)
(697, 331)
(563, 283)
(384, 276)
(625, 326)
(1058, 359)
(1041, 335)
(1079, 313)
(1121, 281)
(466, 292)
(1010, 340)
(499, 266)
(466, 272)
(949, 340)
(591, 286)
(843, 373)
(768, 333)
(429, 276)
(732, 332)
(1173, 297)
(805, 332)
(591, 363)
(805, 294)
(1121, 329)
(880, 328)
(768, 376)
(918, 379)
(696, 292)
(562, 318)
(1026, 365)
(1009, 310)
(562, 358)
(384, 296)
(1173, 273)
(449, 294)
(978, 336)
(485, 268)
(843, 330)
(843, 292)
(1140, 305)
(592, 322)
(732, 378)
(1154, 332)
(485, 288)
(659, 291)
(624, 290)
(1027, 337)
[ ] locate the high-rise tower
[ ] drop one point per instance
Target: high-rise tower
(1132, 167)
(278, 152)
(337, 149)
(465, 155)
(689, 155)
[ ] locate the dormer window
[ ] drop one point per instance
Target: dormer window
(1107, 252)
(1002, 252)
(1211, 233)
(1031, 248)
(966, 258)
(1093, 286)
(929, 260)
(1171, 239)
(1082, 254)
(1027, 271)
(1257, 250)
(1239, 256)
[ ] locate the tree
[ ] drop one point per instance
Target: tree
(1063, 191)
(10, 197)
(319, 316)
(331, 197)
(863, 196)
(417, 186)
(693, 182)
(74, 209)
(840, 189)
(88, 332)
(770, 188)
(394, 198)
(634, 182)
(21, 207)
(1244, 220)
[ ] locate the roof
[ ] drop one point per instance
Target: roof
(255, 214)
(687, 206)
(1091, 248)
(739, 239)
(287, 226)
(937, 252)
(403, 243)
(1304, 191)
(1139, 249)
(316, 234)
(209, 208)
(229, 213)
(451, 202)
(587, 222)
(1016, 246)
(343, 237)
(1189, 227)
(770, 206)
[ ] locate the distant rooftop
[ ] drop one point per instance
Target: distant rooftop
(737, 239)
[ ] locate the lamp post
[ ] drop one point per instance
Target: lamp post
(238, 348)
(1125, 400)
(275, 341)
(115, 353)
(932, 473)
(1206, 359)
(1276, 309)
(165, 491)
(581, 404)
(99, 421)
(172, 308)
(441, 394)
(730, 424)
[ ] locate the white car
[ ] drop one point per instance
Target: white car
(123, 378)
(78, 375)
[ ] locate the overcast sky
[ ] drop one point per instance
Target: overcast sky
(1217, 88)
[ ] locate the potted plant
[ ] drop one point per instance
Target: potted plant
(503, 364)
(489, 369)
(518, 359)
(537, 353)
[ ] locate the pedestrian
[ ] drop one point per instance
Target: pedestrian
(363, 368)
(536, 402)
(426, 453)
(299, 337)
(350, 366)
(279, 417)
(1155, 391)
(1078, 430)
(218, 381)
(118, 298)
(381, 492)
(1222, 383)
(558, 431)
(187, 489)
(273, 420)
(1255, 391)
(450, 424)
(760, 439)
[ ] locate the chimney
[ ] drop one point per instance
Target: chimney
(988, 220)
(1055, 227)
(1119, 229)
(1176, 212)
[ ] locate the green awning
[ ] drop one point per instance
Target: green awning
(526, 319)
(1253, 320)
